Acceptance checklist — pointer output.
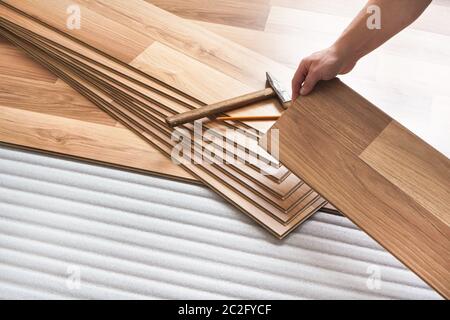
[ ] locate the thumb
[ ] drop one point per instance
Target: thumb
(310, 82)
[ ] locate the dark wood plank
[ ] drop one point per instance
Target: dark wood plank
(385, 179)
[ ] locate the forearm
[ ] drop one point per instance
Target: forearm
(358, 40)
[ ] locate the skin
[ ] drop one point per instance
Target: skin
(356, 41)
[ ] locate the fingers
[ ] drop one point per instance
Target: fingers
(322, 65)
(298, 78)
(310, 81)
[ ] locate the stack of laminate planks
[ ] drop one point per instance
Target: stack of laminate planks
(110, 65)
(40, 112)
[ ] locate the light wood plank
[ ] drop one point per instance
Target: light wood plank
(182, 71)
(49, 98)
(84, 140)
(17, 64)
(248, 14)
(114, 34)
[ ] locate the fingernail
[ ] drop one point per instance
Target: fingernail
(302, 91)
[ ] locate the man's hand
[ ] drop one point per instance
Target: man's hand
(356, 41)
(322, 65)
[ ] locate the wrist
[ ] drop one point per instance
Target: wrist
(345, 54)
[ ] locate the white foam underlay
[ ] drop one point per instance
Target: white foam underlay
(126, 235)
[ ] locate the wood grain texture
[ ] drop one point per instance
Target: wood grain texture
(63, 136)
(376, 172)
(41, 112)
(211, 85)
(183, 77)
(146, 70)
(69, 57)
(414, 167)
(32, 95)
(17, 64)
(148, 20)
(68, 111)
(419, 103)
(140, 90)
(248, 14)
(279, 210)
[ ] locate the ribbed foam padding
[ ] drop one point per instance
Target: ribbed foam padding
(131, 236)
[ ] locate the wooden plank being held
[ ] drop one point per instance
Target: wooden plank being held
(376, 172)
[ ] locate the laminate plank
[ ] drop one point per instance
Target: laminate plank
(220, 53)
(16, 63)
(59, 39)
(367, 183)
(248, 14)
(114, 34)
(216, 126)
(387, 95)
(52, 8)
(354, 111)
(20, 93)
(180, 70)
(162, 114)
(175, 67)
(80, 139)
(283, 47)
(256, 176)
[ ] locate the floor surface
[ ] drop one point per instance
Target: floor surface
(73, 230)
(126, 235)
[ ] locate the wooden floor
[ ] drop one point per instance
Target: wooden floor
(407, 78)
(39, 111)
(123, 84)
(283, 30)
(376, 172)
